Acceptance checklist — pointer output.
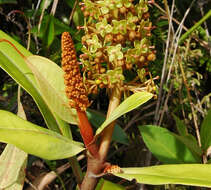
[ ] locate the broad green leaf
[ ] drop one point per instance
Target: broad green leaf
(165, 146)
(107, 185)
(206, 131)
(97, 118)
(17, 68)
(12, 171)
(187, 138)
(36, 140)
(50, 79)
(127, 105)
(8, 2)
(192, 144)
(185, 174)
(181, 127)
(48, 36)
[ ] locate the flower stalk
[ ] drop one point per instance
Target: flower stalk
(76, 91)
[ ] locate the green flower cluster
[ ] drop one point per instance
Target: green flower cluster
(116, 39)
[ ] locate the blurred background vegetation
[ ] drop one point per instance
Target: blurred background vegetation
(38, 26)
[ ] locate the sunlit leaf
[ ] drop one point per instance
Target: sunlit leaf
(186, 174)
(16, 67)
(50, 79)
(127, 105)
(36, 140)
(12, 171)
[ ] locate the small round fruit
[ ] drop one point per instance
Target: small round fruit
(142, 59)
(119, 38)
(102, 70)
(97, 60)
(151, 57)
(97, 81)
(123, 10)
(99, 54)
(129, 66)
(132, 35)
(146, 15)
(101, 85)
(86, 13)
(109, 38)
(138, 35)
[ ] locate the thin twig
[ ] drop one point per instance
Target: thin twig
(185, 35)
(36, 9)
(72, 12)
(165, 104)
(156, 118)
(54, 6)
(191, 103)
(42, 14)
(136, 118)
(201, 42)
(175, 46)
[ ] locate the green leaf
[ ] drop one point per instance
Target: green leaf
(185, 174)
(8, 2)
(50, 79)
(97, 118)
(36, 140)
(206, 131)
(165, 146)
(192, 144)
(15, 66)
(187, 139)
(127, 105)
(181, 127)
(107, 185)
(12, 171)
(48, 36)
(47, 2)
(59, 27)
(13, 161)
(78, 17)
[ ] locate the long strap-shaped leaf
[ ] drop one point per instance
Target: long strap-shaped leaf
(127, 105)
(16, 67)
(36, 140)
(186, 174)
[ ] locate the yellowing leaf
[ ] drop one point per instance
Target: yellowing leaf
(36, 140)
(185, 174)
(127, 105)
(50, 79)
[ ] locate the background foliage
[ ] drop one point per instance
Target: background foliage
(42, 25)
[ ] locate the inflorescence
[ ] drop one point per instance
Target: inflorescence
(116, 40)
(75, 89)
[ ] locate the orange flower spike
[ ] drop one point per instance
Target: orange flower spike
(75, 89)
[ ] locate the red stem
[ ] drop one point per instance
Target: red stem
(87, 133)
